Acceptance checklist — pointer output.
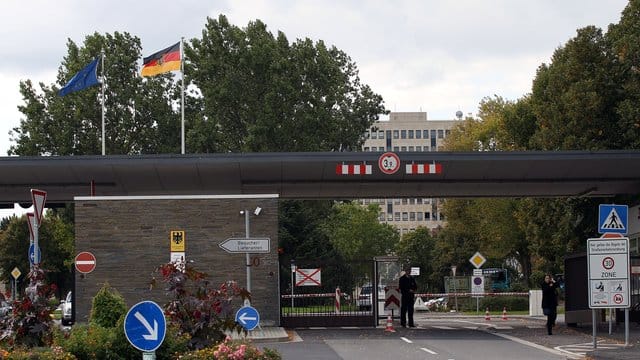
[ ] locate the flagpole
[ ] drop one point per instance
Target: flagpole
(102, 103)
(182, 92)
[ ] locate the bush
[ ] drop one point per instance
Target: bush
(232, 349)
(511, 303)
(54, 353)
(107, 307)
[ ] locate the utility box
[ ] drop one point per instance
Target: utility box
(535, 303)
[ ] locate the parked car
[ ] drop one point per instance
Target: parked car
(5, 308)
(364, 298)
(67, 310)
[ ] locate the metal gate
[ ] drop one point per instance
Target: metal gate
(325, 293)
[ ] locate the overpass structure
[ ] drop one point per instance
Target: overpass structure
(329, 175)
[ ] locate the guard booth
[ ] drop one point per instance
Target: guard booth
(577, 309)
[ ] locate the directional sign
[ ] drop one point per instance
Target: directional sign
(608, 272)
(145, 326)
(248, 317)
(39, 197)
(612, 218)
(34, 254)
(246, 245)
(85, 262)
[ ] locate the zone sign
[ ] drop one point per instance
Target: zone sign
(609, 275)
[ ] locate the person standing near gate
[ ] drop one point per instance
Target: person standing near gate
(549, 301)
(408, 287)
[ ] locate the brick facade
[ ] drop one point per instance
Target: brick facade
(130, 238)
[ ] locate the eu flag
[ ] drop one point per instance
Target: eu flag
(83, 79)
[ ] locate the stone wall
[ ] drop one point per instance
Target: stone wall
(130, 239)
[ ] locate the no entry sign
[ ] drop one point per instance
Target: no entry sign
(85, 262)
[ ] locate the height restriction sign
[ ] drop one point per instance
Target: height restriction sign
(608, 272)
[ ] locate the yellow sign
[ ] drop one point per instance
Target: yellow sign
(477, 260)
(177, 240)
(16, 273)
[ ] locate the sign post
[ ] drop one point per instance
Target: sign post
(608, 270)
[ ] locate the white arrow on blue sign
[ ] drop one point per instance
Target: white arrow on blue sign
(612, 218)
(248, 317)
(34, 254)
(145, 326)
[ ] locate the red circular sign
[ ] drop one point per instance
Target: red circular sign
(389, 163)
(85, 262)
(617, 298)
(608, 263)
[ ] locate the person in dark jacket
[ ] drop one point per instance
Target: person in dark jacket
(549, 301)
(408, 287)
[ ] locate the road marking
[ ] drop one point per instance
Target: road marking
(429, 351)
(568, 354)
(442, 327)
(471, 327)
(583, 348)
(406, 340)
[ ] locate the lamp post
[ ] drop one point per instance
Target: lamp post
(455, 291)
(247, 235)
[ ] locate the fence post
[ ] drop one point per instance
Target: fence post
(337, 302)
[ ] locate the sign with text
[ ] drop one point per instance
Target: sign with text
(308, 277)
(608, 270)
(246, 245)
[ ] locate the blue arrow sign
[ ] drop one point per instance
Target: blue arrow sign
(34, 254)
(248, 317)
(612, 219)
(145, 326)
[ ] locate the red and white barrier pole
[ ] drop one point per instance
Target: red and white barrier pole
(337, 302)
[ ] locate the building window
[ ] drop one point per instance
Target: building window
(389, 208)
(427, 201)
(433, 142)
(396, 201)
(396, 216)
(374, 134)
(389, 217)
(380, 134)
(405, 216)
(410, 148)
(427, 216)
(412, 216)
(425, 149)
(366, 202)
(419, 216)
(367, 135)
(418, 134)
(440, 134)
(404, 201)
(381, 216)
(403, 148)
(403, 134)
(419, 201)
(410, 134)
(396, 148)
(425, 134)
(412, 201)
(381, 148)
(366, 148)
(396, 134)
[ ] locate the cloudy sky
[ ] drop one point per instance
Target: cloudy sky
(434, 56)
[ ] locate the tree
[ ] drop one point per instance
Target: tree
(417, 249)
(139, 117)
(262, 93)
(358, 236)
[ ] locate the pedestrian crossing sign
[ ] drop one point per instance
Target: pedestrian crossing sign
(612, 219)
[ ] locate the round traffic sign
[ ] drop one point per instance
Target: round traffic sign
(145, 326)
(608, 263)
(389, 163)
(617, 298)
(85, 262)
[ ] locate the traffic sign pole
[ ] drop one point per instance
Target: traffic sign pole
(247, 258)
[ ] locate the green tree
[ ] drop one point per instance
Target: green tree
(139, 117)
(417, 249)
(262, 93)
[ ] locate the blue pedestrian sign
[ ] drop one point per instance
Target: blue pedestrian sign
(248, 317)
(612, 219)
(34, 254)
(145, 326)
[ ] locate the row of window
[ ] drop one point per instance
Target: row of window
(411, 216)
(408, 134)
(404, 201)
(400, 148)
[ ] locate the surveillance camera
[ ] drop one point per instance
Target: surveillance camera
(257, 210)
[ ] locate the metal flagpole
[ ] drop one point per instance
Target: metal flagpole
(102, 103)
(182, 92)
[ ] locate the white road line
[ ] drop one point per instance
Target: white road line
(442, 327)
(406, 340)
(568, 354)
(429, 351)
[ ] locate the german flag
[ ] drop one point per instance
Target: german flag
(163, 61)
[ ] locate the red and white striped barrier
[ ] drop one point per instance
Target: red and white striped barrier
(418, 169)
(353, 169)
(435, 295)
(338, 300)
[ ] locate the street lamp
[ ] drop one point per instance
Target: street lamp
(256, 212)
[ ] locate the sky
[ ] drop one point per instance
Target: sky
(422, 55)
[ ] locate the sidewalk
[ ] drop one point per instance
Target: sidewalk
(263, 334)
